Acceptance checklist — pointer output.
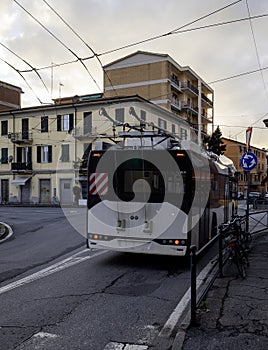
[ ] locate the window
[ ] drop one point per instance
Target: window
(143, 116)
(183, 134)
(87, 149)
(4, 155)
(65, 122)
(120, 115)
(173, 128)
(4, 127)
(25, 128)
(65, 157)
(24, 155)
(44, 154)
(87, 123)
(162, 123)
(44, 124)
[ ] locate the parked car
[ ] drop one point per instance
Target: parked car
(252, 196)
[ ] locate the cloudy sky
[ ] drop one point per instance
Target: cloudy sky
(216, 53)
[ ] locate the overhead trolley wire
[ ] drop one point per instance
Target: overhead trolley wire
(59, 40)
(172, 32)
(29, 86)
(28, 64)
(95, 55)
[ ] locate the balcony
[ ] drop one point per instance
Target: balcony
(188, 106)
(207, 100)
(21, 167)
(175, 82)
(25, 138)
(175, 104)
(79, 134)
(192, 90)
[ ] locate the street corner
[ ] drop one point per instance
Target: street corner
(5, 231)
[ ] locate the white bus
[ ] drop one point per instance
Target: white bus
(148, 193)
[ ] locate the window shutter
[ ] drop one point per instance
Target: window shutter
(71, 122)
(49, 154)
(38, 154)
(58, 122)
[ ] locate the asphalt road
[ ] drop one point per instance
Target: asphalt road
(40, 236)
(56, 295)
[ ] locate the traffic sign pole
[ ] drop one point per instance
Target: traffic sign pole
(247, 210)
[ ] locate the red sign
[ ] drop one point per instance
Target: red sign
(248, 137)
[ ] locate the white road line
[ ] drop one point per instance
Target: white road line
(61, 265)
(179, 311)
(122, 346)
(10, 232)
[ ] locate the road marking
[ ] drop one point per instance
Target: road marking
(179, 311)
(10, 232)
(122, 346)
(45, 335)
(61, 265)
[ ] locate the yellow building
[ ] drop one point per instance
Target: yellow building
(161, 80)
(234, 151)
(42, 147)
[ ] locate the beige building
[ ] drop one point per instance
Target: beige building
(43, 147)
(234, 151)
(161, 80)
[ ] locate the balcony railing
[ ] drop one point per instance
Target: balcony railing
(80, 134)
(24, 137)
(175, 82)
(22, 167)
(206, 99)
(187, 85)
(176, 104)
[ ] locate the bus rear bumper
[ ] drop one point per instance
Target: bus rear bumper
(139, 246)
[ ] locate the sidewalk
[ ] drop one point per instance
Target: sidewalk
(235, 312)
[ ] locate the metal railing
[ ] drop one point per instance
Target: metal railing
(256, 222)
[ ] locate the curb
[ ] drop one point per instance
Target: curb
(5, 231)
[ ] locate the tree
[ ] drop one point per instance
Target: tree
(214, 142)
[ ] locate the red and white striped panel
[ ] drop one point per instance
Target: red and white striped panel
(98, 183)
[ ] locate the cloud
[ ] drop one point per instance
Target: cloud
(213, 53)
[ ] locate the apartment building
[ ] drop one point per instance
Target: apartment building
(10, 96)
(234, 151)
(42, 147)
(159, 79)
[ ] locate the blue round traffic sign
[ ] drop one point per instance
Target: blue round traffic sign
(248, 161)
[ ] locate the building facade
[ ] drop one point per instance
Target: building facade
(42, 148)
(234, 151)
(161, 80)
(10, 96)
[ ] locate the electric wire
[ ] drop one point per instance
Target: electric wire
(83, 41)
(173, 31)
(27, 63)
(25, 80)
(60, 41)
(259, 65)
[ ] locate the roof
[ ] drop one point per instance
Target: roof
(77, 103)
(10, 86)
(146, 57)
